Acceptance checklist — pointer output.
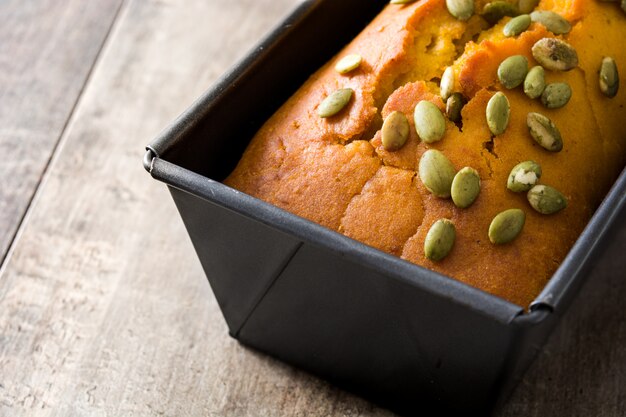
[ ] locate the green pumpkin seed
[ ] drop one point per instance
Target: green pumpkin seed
(401, 1)
(546, 200)
(465, 187)
(348, 63)
(460, 9)
(609, 78)
(523, 176)
(555, 54)
(429, 122)
(497, 112)
(544, 132)
(554, 22)
(454, 105)
(527, 6)
(512, 71)
(439, 240)
(334, 103)
(395, 131)
(535, 82)
(556, 95)
(436, 172)
(624, 5)
(446, 86)
(496, 10)
(516, 25)
(506, 226)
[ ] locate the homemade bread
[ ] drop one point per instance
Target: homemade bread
(336, 172)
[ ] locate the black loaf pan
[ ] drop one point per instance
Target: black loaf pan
(405, 337)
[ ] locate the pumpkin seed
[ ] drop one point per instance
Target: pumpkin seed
(454, 105)
(497, 112)
(556, 95)
(609, 78)
(624, 5)
(429, 122)
(348, 63)
(395, 131)
(546, 200)
(506, 226)
(523, 176)
(516, 25)
(555, 54)
(544, 132)
(460, 9)
(465, 187)
(446, 86)
(436, 172)
(535, 82)
(512, 71)
(496, 10)
(439, 240)
(527, 6)
(334, 103)
(554, 22)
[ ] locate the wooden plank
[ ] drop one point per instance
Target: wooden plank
(40, 81)
(104, 308)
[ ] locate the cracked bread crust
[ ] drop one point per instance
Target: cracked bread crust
(335, 171)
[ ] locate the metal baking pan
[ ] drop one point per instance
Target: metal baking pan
(405, 337)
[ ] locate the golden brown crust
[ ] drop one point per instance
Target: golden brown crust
(387, 212)
(336, 172)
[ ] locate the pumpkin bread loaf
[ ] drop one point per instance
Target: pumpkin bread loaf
(335, 170)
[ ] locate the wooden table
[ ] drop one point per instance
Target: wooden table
(104, 309)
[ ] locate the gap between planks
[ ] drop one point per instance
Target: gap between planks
(5, 257)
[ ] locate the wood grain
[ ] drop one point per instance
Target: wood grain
(41, 78)
(104, 309)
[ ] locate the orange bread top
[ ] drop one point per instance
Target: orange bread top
(335, 171)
